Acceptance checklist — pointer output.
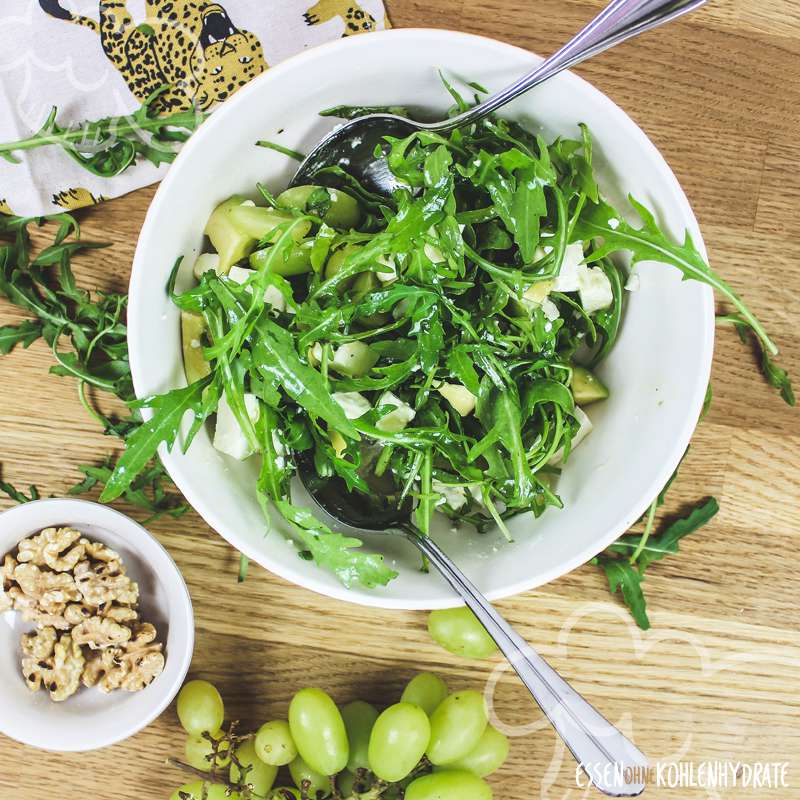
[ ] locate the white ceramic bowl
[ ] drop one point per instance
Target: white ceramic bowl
(91, 719)
(657, 373)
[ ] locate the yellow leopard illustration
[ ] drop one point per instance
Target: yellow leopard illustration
(356, 19)
(191, 46)
(5, 208)
(70, 199)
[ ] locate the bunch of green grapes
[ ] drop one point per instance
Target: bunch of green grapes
(432, 745)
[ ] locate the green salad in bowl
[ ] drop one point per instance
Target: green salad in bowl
(438, 344)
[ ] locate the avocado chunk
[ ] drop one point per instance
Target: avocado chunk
(294, 261)
(587, 387)
(257, 222)
(333, 206)
(229, 240)
(364, 283)
(193, 326)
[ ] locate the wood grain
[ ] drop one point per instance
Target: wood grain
(717, 676)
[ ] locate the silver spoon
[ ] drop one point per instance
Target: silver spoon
(601, 750)
(352, 145)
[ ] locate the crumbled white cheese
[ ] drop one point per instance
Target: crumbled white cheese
(390, 274)
(206, 262)
(550, 309)
(249, 203)
(272, 295)
(613, 223)
(454, 496)
(228, 436)
(397, 419)
(354, 404)
(567, 278)
(594, 288)
(633, 283)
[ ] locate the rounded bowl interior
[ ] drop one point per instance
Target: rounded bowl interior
(91, 719)
(657, 373)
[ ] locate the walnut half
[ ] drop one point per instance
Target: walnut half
(56, 663)
(131, 666)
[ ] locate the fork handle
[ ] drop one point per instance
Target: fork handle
(600, 749)
(619, 21)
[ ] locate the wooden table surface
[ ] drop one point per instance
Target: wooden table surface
(716, 677)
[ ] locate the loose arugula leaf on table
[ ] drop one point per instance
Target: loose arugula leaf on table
(146, 492)
(93, 327)
(106, 147)
(17, 495)
(142, 444)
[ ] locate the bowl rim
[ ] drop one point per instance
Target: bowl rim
(207, 510)
(159, 559)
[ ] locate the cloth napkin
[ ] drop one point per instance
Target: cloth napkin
(99, 58)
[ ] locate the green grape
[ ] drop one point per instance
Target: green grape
(359, 717)
(398, 741)
(284, 793)
(457, 726)
(200, 708)
(274, 743)
(300, 771)
(261, 776)
(198, 749)
(449, 785)
(318, 731)
(194, 791)
(425, 690)
(487, 756)
(459, 632)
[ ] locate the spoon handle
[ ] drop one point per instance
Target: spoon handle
(618, 21)
(601, 750)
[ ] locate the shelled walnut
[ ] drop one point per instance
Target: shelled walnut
(85, 609)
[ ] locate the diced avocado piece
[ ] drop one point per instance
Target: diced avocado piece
(257, 221)
(354, 359)
(364, 283)
(193, 326)
(232, 243)
(295, 261)
(587, 387)
(335, 262)
(333, 206)
(459, 397)
(205, 262)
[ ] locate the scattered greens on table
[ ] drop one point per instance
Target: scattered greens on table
(438, 345)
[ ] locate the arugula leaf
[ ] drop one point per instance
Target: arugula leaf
(25, 334)
(146, 492)
(141, 446)
(17, 495)
(625, 577)
(340, 554)
(108, 146)
(648, 243)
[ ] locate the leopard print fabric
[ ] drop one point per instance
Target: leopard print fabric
(191, 46)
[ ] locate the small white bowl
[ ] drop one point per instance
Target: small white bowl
(91, 719)
(658, 371)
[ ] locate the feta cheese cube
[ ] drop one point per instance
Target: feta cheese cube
(594, 288)
(567, 278)
(228, 436)
(272, 295)
(395, 420)
(354, 404)
(454, 496)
